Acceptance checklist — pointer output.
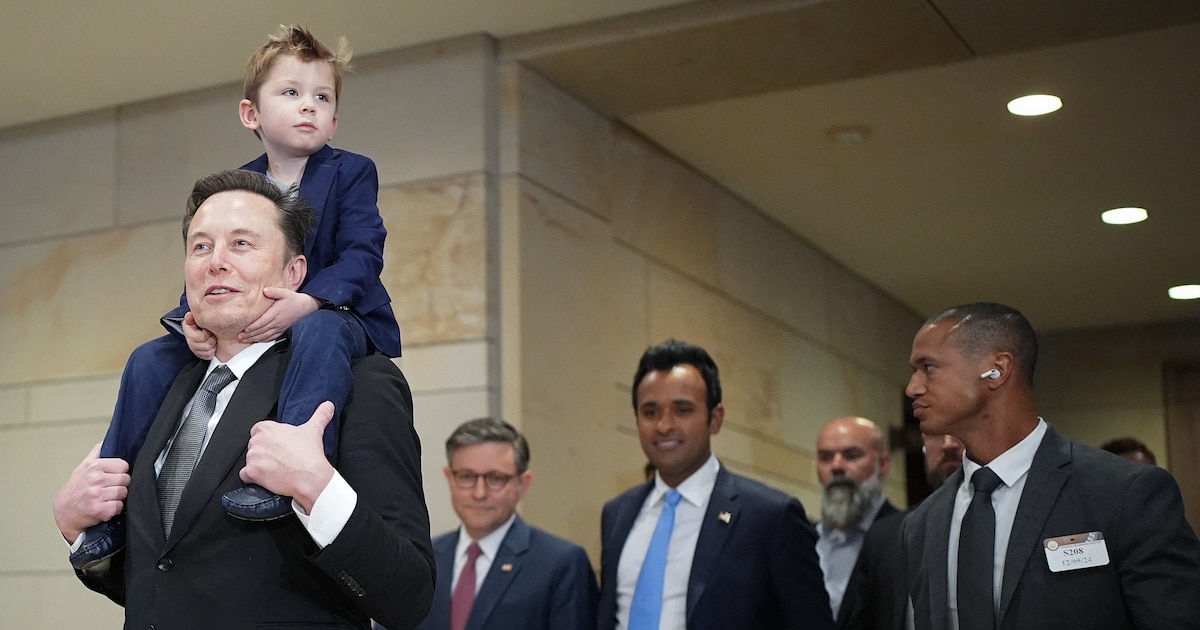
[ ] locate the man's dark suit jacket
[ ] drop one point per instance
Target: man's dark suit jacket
(879, 582)
(852, 597)
(1152, 580)
(537, 582)
(345, 251)
(755, 564)
(219, 572)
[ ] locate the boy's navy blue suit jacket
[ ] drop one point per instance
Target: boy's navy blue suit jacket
(343, 190)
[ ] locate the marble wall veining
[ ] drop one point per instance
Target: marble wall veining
(621, 246)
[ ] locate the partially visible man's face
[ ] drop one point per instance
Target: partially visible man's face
(482, 508)
(943, 456)
(235, 248)
(673, 421)
(850, 465)
(1136, 457)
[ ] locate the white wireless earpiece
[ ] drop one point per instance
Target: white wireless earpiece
(992, 374)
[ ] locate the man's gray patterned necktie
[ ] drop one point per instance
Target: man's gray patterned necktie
(185, 448)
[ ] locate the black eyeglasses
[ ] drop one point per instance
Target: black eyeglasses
(466, 479)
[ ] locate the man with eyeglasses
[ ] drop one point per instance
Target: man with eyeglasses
(494, 571)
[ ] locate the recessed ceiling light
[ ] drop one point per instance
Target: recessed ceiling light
(1184, 292)
(1035, 105)
(1124, 216)
(849, 135)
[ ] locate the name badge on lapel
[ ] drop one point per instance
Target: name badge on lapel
(1077, 551)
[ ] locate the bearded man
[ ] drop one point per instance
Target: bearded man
(851, 464)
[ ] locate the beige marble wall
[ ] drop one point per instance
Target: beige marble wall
(90, 257)
(1095, 385)
(620, 247)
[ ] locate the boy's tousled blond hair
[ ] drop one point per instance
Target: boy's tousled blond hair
(296, 41)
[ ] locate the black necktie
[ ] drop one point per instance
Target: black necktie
(185, 448)
(976, 556)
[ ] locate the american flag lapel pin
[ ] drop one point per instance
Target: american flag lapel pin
(506, 567)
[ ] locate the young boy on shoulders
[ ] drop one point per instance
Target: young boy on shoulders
(341, 313)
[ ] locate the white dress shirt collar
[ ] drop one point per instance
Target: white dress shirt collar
(243, 360)
(1013, 463)
(489, 546)
(696, 489)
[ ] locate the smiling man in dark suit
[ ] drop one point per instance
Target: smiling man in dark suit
(1072, 537)
(697, 546)
(355, 546)
(495, 572)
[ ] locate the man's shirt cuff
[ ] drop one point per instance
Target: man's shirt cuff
(330, 512)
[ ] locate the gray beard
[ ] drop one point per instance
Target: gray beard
(845, 503)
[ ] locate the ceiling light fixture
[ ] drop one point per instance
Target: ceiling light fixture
(849, 135)
(1184, 292)
(1124, 216)
(1035, 105)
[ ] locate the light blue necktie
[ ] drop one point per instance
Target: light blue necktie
(646, 608)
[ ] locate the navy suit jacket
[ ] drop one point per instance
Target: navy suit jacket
(537, 582)
(1152, 579)
(345, 251)
(755, 564)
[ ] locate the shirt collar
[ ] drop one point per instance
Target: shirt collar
(243, 360)
(1012, 464)
(489, 545)
(696, 489)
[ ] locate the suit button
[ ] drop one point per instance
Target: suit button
(351, 584)
(165, 565)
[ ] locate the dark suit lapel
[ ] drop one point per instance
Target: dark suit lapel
(318, 179)
(848, 600)
(443, 553)
(1042, 487)
(887, 509)
(719, 519)
(623, 520)
(254, 400)
(170, 414)
(505, 567)
(937, 542)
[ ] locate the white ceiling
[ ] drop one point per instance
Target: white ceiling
(948, 199)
